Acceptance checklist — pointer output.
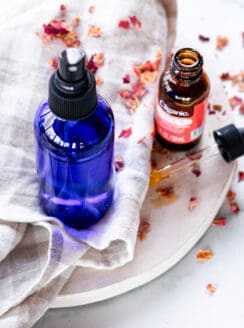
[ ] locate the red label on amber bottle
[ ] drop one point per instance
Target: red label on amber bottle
(180, 129)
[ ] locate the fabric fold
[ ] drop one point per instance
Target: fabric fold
(37, 253)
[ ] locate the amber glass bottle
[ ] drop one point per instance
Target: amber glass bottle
(182, 101)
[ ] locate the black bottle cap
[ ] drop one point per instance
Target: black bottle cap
(72, 88)
(230, 141)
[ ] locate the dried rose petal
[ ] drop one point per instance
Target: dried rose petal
(203, 38)
(148, 77)
(138, 89)
(240, 176)
(132, 103)
(99, 81)
(143, 230)
(211, 112)
(204, 254)
(63, 9)
(143, 140)
(194, 156)
(237, 78)
(94, 31)
(130, 100)
(119, 163)
(225, 76)
(211, 289)
(125, 24)
(221, 42)
(241, 109)
(53, 62)
(192, 203)
(196, 170)
(71, 39)
(55, 27)
(235, 101)
(91, 9)
(234, 207)
(231, 195)
(125, 133)
(166, 192)
(240, 86)
(98, 59)
(42, 37)
(221, 221)
(126, 78)
(91, 65)
(217, 107)
(76, 20)
(135, 22)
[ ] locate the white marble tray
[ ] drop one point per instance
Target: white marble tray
(174, 229)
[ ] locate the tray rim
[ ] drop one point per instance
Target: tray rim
(144, 277)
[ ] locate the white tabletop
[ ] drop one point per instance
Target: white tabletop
(178, 298)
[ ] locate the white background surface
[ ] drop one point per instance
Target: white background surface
(178, 298)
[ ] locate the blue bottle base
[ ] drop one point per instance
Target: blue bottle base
(78, 214)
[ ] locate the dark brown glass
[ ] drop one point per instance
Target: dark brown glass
(182, 86)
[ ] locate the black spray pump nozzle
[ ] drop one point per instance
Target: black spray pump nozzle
(72, 88)
(230, 141)
(71, 66)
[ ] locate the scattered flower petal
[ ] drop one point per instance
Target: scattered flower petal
(138, 89)
(76, 20)
(235, 101)
(196, 169)
(119, 163)
(211, 289)
(148, 77)
(143, 140)
(99, 81)
(94, 31)
(126, 133)
(240, 176)
(91, 65)
(53, 62)
(221, 42)
(143, 230)
(95, 62)
(131, 101)
(193, 203)
(98, 59)
(231, 195)
(241, 109)
(56, 27)
(221, 221)
(126, 78)
(217, 107)
(61, 30)
(225, 76)
(204, 255)
(63, 9)
(234, 207)
(203, 38)
(135, 22)
(166, 192)
(125, 24)
(91, 9)
(194, 156)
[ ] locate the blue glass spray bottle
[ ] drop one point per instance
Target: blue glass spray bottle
(74, 132)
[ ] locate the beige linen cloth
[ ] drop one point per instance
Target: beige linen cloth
(37, 255)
